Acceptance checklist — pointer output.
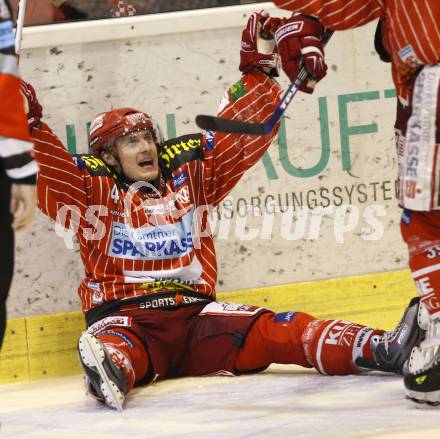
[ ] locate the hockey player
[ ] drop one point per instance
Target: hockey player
(139, 208)
(408, 36)
(17, 167)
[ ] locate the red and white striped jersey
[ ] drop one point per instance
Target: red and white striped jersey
(133, 244)
(411, 29)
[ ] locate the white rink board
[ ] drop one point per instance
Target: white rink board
(179, 76)
(283, 402)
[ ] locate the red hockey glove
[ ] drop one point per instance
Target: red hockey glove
(259, 28)
(298, 40)
(35, 110)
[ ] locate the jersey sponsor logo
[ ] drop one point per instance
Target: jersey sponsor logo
(190, 274)
(410, 188)
(226, 308)
(181, 150)
(209, 140)
(157, 242)
(409, 57)
(421, 148)
(109, 321)
(94, 165)
(167, 302)
(163, 206)
(97, 297)
(183, 195)
(118, 213)
(166, 285)
(284, 317)
(179, 179)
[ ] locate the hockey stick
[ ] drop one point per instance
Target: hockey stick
(213, 123)
(19, 28)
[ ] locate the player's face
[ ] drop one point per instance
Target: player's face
(137, 154)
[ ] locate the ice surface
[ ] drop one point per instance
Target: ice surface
(283, 402)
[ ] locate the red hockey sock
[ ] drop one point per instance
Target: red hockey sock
(331, 346)
(127, 351)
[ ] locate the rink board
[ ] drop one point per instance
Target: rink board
(45, 346)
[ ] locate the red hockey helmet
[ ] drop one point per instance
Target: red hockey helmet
(106, 127)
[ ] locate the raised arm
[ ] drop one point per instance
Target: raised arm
(337, 14)
(228, 156)
(251, 99)
(60, 181)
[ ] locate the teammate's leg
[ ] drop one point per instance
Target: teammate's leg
(418, 140)
(421, 232)
(6, 249)
(333, 347)
(114, 360)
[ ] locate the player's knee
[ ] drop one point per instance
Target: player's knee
(274, 338)
(130, 345)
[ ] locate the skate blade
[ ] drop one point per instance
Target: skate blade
(93, 356)
(428, 400)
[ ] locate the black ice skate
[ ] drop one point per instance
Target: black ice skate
(422, 379)
(106, 379)
(391, 350)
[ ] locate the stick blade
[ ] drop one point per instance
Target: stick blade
(212, 123)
